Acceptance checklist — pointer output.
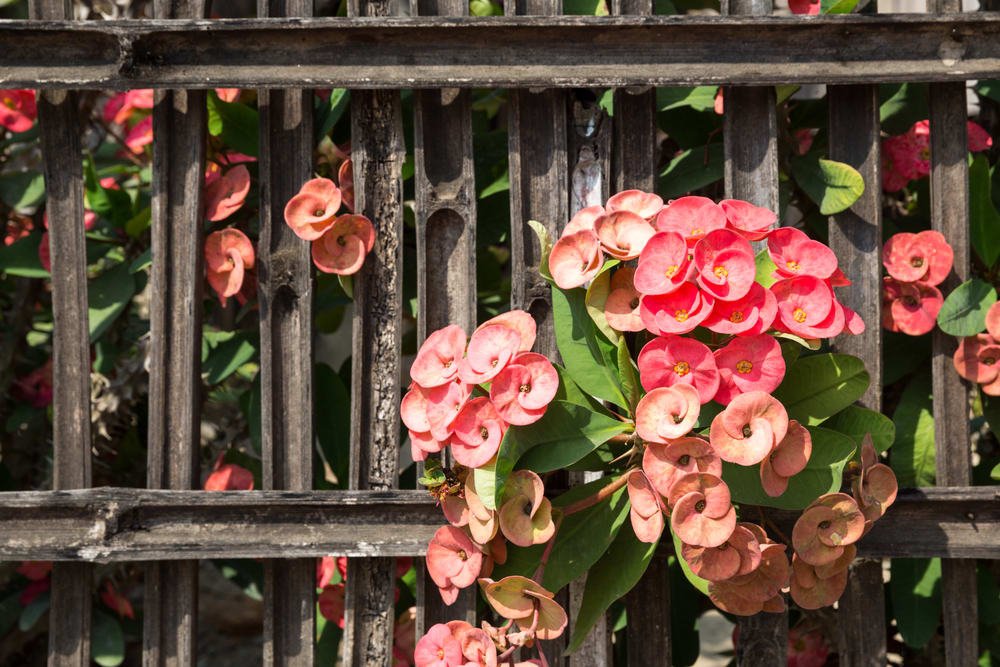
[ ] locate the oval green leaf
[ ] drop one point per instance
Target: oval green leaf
(964, 310)
(821, 385)
(834, 186)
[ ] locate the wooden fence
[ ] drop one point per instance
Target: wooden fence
(538, 55)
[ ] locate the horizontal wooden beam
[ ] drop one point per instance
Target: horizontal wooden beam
(113, 524)
(430, 52)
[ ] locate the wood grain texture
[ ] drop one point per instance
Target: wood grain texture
(648, 609)
(378, 153)
(856, 239)
(59, 126)
(950, 216)
(500, 51)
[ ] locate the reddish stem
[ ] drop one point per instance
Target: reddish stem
(605, 492)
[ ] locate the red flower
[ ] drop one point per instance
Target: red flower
(669, 360)
(691, 217)
(17, 110)
(911, 308)
(725, 264)
(751, 363)
(112, 598)
(678, 312)
(926, 257)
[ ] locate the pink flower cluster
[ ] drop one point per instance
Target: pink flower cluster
(229, 262)
(977, 357)
(339, 242)
(17, 110)
(439, 409)
(916, 264)
(907, 156)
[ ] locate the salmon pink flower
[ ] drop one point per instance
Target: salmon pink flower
(453, 561)
(438, 648)
(413, 409)
(748, 429)
(523, 390)
(478, 432)
(331, 603)
(326, 567)
(911, 308)
(788, 458)
(226, 194)
(228, 255)
(875, 487)
(313, 210)
(575, 259)
(795, 254)
(807, 308)
(901, 161)
(691, 217)
(678, 312)
(645, 510)
(439, 357)
(810, 590)
(979, 139)
(120, 107)
(228, 94)
(808, 7)
(444, 404)
(751, 222)
(478, 648)
(806, 649)
(140, 136)
(484, 524)
(749, 363)
(526, 514)
(725, 264)
(760, 590)
(663, 264)
(666, 413)
(926, 257)
(229, 477)
(976, 359)
(17, 110)
(753, 314)
(623, 234)
(345, 179)
(644, 204)
(621, 308)
(993, 320)
(518, 320)
(456, 510)
(423, 443)
(669, 360)
(665, 464)
(115, 600)
(702, 513)
(343, 246)
(490, 350)
(583, 220)
(738, 555)
(832, 522)
(520, 598)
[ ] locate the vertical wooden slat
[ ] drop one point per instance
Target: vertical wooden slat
(856, 238)
(170, 607)
(446, 249)
(950, 216)
(286, 315)
(751, 172)
(379, 152)
(58, 116)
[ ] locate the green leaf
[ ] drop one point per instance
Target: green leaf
(837, 6)
(333, 403)
(627, 371)
(984, 221)
(139, 223)
(586, 7)
(915, 588)
(590, 359)
(22, 191)
(694, 579)
(691, 170)
(107, 641)
(239, 124)
(913, 453)
(904, 106)
(484, 8)
(228, 356)
(698, 98)
(34, 611)
(855, 421)
(995, 473)
(834, 186)
(487, 485)
(328, 646)
(765, 269)
(964, 310)
(108, 295)
(10, 611)
(331, 111)
(823, 474)
(597, 296)
(545, 242)
(988, 595)
(821, 385)
(142, 261)
(619, 569)
(564, 435)
(250, 405)
(21, 257)
(113, 205)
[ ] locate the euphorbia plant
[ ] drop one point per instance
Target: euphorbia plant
(683, 381)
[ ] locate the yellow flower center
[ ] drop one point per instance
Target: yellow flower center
(916, 262)
(744, 366)
(736, 316)
(799, 315)
(682, 368)
(720, 272)
(925, 154)
(9, 103)
(792, 265)
(696, 232)
(672, 271)
(680, 315)
(524, 388)
(319, 213)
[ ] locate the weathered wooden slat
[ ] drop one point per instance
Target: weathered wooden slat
(58, 116)
(286, 318)
(856, 238)
(378, 152)
(950, 216)
(499, 51)
(648, 609)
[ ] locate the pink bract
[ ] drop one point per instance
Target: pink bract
(663, 264)
(738, 555)
(313, 210)
(645, 511)
(725, 264)
(443, 406)
(666, 413)
(478, 431)
(749, 363)
(229, 477)
(979, 138)
(830, 523)
(575, 259)
(526, 514)
(140, 136)
(345, 180)
(807, 308)
(678, 312)
(926, 257)
(228, 255)
(331, 603)
(226, 195)
(518, 320)
(751, 222)
(911, 308)
(750, 315)
(665, 464)
(795, 254)
(669, 360)
(452, 559)
(17, 110)
(583, 220)
(788, 458)
(522, 391)
(977, 357)
(809, 7)
(691, 217)
(702, 514)
(621, 309)
(644, 204)
(490, 350)
(439, 357)
(343, 246)
(438, 649)
(623, 234)
(993, 320)
(747, 430)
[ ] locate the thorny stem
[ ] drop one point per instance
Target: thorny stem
(540, 570)
(605, 492)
